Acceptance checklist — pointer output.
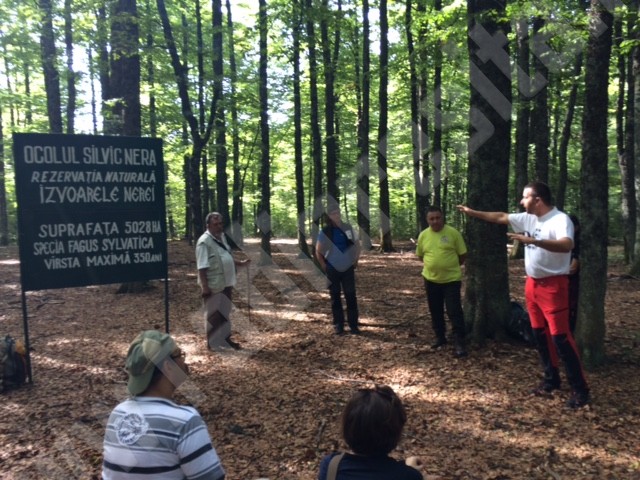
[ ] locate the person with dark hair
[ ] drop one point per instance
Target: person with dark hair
(337, 253)
(574, 275)
(547, 235)
(149, 435)
(443, 251)
(216, 277)
(372, 424)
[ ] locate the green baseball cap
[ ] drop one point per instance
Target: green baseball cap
(147, 351)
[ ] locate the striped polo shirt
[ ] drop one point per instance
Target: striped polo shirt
(154, 438)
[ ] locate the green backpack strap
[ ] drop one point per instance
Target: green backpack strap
(332, 471)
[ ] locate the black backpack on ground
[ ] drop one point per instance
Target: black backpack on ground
(13, 364)
(518, 325)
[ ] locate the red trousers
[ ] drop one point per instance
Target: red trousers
(548, 306)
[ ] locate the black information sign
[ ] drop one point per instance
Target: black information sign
(91, 210)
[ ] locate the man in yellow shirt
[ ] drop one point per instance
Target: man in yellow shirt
(443, 251)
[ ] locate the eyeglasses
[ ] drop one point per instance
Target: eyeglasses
(178, 354)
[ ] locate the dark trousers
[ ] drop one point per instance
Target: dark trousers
(574, 288)
(217, 311)
(440, 295)
(343, 282)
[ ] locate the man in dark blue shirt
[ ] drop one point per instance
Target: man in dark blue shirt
(337, 252)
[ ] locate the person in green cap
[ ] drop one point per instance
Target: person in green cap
(149, 435)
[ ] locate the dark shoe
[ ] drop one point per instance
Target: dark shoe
(545, 389)
(355, 331)
(578, 400)
(441, 342)
(232, 344)
(460, 351)
(338, 329)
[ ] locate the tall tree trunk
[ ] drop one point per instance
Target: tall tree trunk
(488, 171)
(236, 207)
(316, 139)
(330, 64)
(624, 138)
(523, 108)
(594, 191)
(635, 269)
(363, 195)
(419, 143)
(565, 137)
(92, 87)
(383, 178)
(540, 115)
(102, 47)
(26, 69)
(264, 210)
(153, 111)
(123, 113)
(438, 186)
(297, 122)
(9, 85)
(123, 117)
(151, 77)
(51, 76)
(420, 182)
(71, 74)
(4, 217)
(203, 168)
(192, 162)
(222, 182)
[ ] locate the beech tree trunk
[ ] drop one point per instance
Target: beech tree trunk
(523, 108)
(123, 114)
(540, 129)
(386, 244)
(330, 63)
(316, 139)
(635, 269)
(297, 122)
(594, 204)
(364, 125)
(624, 138)
(565, 136)
(4, 218)
(487, 285)
(264, 209)
(237, 216)
(71, 75)
(418, 137)
(51, 75)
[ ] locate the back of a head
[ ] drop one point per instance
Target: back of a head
(372, 421)
(146, 353)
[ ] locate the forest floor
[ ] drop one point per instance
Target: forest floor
(273, 408)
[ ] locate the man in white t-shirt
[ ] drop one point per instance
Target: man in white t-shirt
(149, 435)
(547, 235)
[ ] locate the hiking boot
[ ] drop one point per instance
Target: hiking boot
(355, 331)
(578, 400)
(545, 389)
(338, 329)
(440, 342)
